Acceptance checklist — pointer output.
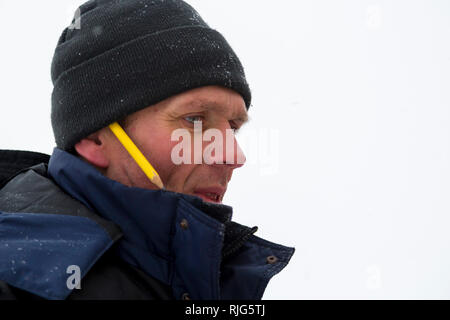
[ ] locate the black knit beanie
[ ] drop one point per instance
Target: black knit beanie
(120, 56)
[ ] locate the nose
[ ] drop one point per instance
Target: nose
(231, 154)
(235, 154)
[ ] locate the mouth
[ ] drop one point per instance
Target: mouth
(210, 194)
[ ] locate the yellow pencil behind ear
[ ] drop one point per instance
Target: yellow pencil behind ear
(136, 154)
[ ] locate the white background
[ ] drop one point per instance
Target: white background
(356, 96)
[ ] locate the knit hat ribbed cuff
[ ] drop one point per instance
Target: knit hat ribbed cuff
(140, 73)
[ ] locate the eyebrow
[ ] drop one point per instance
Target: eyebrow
(243, 117)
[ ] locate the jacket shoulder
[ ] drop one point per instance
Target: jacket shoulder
(13, 161)
(32, 190)
(31, 198)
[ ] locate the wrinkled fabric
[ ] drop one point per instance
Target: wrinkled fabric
(190, 260)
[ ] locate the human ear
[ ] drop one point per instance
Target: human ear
(93, 150)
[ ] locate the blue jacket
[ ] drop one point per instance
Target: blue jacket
(69, 214)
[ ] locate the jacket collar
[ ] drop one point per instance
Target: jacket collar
(188, 258)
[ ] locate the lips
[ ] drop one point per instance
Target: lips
(210, 194)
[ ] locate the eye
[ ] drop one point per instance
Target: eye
(193, 119)
(234, 128)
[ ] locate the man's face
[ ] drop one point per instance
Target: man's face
(151, 130)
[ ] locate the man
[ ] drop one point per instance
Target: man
(90, 224)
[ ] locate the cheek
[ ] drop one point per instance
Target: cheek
(158, 150)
